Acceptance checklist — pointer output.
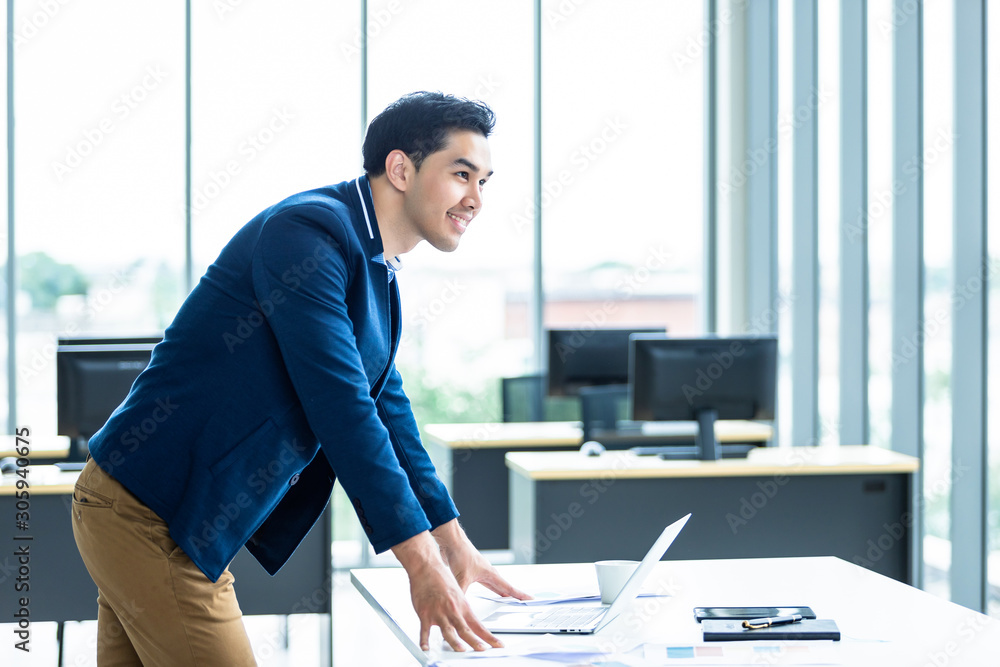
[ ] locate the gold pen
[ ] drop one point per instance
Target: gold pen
(759, 623)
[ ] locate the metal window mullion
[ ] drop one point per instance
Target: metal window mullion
(188, 231)
(363, 73)
(854, 218)
(907, 254)
(710, 316)
(761, 258)
(363, 65)
(757, 302)
(536, 299)
(805, 260)
(11, 268)
(970, 338)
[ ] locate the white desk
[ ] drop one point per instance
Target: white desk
(882, 621)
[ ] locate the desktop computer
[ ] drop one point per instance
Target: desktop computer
(589, 357)
(702, 380)
(93, 377)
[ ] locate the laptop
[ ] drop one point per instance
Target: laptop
(582, 619)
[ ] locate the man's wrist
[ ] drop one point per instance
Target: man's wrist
(449, 533)
(417, 552)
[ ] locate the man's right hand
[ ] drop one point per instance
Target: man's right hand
(438, 599)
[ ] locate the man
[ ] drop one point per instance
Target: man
(275, 376)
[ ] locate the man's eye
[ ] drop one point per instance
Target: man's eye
(463, 174)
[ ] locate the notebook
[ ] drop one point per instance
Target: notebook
(582, 619)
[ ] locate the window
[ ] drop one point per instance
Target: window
(274, 110)
(100, 171)
(458, 336)
(936, 164)
(623, 163)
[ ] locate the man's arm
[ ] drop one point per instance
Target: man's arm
(313, 327)
(397, 414)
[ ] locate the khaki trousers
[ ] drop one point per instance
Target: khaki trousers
(155, 607)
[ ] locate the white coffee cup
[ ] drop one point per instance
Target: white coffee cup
(612, 575)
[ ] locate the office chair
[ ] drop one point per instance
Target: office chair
(601, 408)
(522, 398)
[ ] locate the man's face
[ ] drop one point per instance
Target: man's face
(447, 191)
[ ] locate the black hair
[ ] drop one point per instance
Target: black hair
(418, 124)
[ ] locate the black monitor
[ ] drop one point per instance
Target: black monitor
(588, 357)
(93, 376)
(702, 379)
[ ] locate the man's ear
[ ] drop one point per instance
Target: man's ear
(398, 169)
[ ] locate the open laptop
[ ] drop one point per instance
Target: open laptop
(582, 619)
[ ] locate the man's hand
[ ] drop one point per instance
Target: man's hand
(468, 565)
(438, 599)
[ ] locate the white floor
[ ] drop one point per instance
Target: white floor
(359, 638)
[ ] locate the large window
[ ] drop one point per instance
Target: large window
(458, 339)
(878, 221)
(623, 120)
(99, 94)
(274, 110)
(936, 164)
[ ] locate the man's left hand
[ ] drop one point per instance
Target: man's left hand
(468, 565)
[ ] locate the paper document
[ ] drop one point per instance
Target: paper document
(552, 598)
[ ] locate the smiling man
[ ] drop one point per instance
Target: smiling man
(279, 370)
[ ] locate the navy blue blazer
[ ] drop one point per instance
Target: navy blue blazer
(277, 374)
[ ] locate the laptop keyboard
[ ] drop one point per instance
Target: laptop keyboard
(569, 617)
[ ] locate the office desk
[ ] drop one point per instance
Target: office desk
(882, 622)
(470, 460)
(854, 502)
(62, 590)
(47, 447)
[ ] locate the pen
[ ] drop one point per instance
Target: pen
(758, 623)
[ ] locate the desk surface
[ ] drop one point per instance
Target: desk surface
(824, 460)
(548, 434)
(47, 446)
(882, 622)
(41, 480)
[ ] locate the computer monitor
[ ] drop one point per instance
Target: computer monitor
(93, 376)
(588, 357)
(702, 379)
